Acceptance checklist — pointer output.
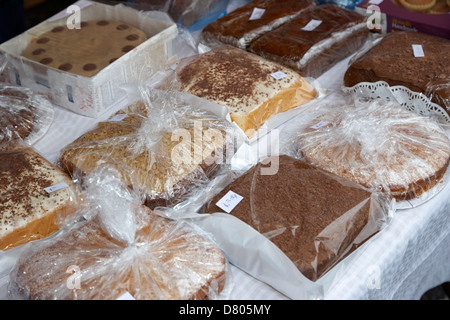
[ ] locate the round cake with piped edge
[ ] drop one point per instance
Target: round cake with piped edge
(87, 50)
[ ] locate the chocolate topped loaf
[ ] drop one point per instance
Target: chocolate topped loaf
(243, 25)
(87, 50)
(315, 40)
(28, 210)
(394, 61)
(252, 88)
(314, 217)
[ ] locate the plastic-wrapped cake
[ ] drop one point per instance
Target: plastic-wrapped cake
(252, 88)
(152, 154)
(35, 197)
(314, 217)
(120, 250)
(243, 25)
(87, 50)
(315, 40)
(379, 146)
(410, 59)
(24, 115)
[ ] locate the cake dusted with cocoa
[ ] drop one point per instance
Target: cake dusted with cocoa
(380, 146)
(87, 50)
(394, 61)
(167, 261)
(27, 211)
(252, 88)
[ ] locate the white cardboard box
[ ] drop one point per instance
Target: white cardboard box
(91, 96)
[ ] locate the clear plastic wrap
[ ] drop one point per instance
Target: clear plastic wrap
(410, 59)
(315, 40)
(122, 250)
(312, 219)
(241, 26)
(252, 88)
(24, 115)
(377, 144)
(165, 144)
(36, 198)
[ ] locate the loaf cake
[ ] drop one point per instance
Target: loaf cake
(393, 60)
(152, 167)
(87, 50)
(246, 84)
(314, 41)
(314, 217)
(241, 26)
(379, 146)
(27, 210)
(166, 262)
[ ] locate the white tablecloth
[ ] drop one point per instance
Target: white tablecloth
(407, 258)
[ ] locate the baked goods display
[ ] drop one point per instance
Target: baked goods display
(152, 154)
(252, 88)
(181, 152)
(35, 197)
(394, 61)
(24, 116)
(315, 40)
(314, 217)
(166, 261)
(380, 146)
(98, 44)
(243, 25)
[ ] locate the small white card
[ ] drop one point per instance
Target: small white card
(375, 2)
(319, 125)
(229, 201)
(126, 296)
(118, 117)
(56, 187)
(278, 75)
(312, 25)
(418, 50)
(257, 14)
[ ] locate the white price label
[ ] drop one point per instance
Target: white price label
(278, 75)
(126, 296)
(418, 50)
(312, 25)
(56, 187)
(257, 14)
(229, 201)
(319, 125)
(118, 117)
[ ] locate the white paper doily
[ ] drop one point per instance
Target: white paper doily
(410, 100)
(413, 101)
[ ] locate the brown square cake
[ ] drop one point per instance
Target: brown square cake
(314, 217)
